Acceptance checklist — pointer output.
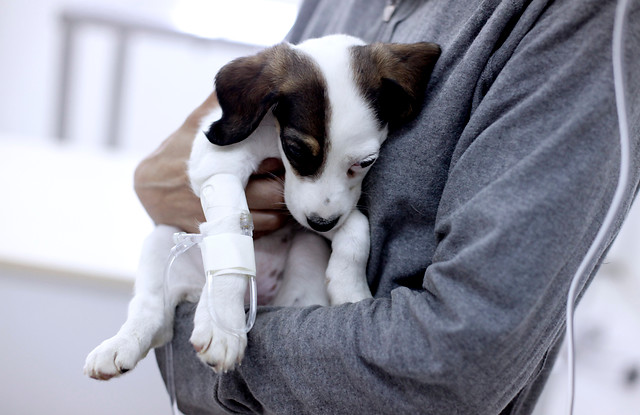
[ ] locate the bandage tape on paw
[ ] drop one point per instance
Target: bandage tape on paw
(228, 253)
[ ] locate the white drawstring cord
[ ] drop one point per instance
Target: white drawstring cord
(618, 197)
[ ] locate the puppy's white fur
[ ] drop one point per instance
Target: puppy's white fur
(312, 274)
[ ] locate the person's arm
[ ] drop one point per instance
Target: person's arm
(162, 185)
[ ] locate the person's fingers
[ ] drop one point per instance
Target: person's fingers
(271, 167)
(265, 197)
(265, 190)
(265, 222)
(265, 193)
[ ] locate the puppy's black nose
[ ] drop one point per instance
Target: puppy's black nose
(320, 224)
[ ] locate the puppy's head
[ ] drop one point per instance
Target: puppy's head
(334, 99)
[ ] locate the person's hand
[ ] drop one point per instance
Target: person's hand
(162, 185)
(265, 197)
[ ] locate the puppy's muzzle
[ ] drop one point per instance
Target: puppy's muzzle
(320, 224)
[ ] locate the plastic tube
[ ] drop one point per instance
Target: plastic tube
(183, 242)
(618, 197)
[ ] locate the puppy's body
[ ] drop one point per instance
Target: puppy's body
(324, 108)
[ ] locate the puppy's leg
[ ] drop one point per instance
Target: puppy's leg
(303, 284)
(346, 272)
(216, 345)
(218, 322)
(303, 281)
(150, 317)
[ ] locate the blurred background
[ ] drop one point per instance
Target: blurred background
(88, 88)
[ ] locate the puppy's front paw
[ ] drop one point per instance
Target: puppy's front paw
(346, 283)
(113, 357)
(216, 347)
(339, 295)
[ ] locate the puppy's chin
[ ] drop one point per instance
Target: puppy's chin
(321, 205)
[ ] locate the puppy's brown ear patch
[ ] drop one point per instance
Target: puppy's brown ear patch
(393, 77)
(247, 88)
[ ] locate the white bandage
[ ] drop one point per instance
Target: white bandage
(227, 246)
(228, 253)
(222, 194)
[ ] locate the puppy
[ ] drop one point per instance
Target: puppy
(324, 107)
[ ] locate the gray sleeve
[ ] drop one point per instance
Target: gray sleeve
(530, 180)
(305, 13)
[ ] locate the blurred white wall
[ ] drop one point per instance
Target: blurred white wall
(30, 42)
(67, 261)
(607, 337)
(48, 325)
(165, 76)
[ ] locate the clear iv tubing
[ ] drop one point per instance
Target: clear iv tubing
(618, 197)
(251, 317)
(246, 228)
(183, 242)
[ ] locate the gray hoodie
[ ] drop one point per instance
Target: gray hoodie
(481, 211)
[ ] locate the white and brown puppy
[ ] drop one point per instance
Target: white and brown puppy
(324, 107)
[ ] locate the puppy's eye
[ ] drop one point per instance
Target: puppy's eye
(294, 150)
(304, 159)
(361, 165)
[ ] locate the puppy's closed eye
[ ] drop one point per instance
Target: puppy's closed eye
(296, 149)
(302, 151)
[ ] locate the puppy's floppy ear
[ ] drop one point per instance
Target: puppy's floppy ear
(247, 88)
(394, 76)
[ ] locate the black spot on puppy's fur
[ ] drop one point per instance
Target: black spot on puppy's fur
(393, 77)
(287, 81)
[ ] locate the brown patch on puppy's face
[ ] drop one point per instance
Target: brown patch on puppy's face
(393, 77)
(303, 113)
(287, 81)
(333, 99)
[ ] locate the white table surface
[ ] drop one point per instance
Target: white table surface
(69, 210)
